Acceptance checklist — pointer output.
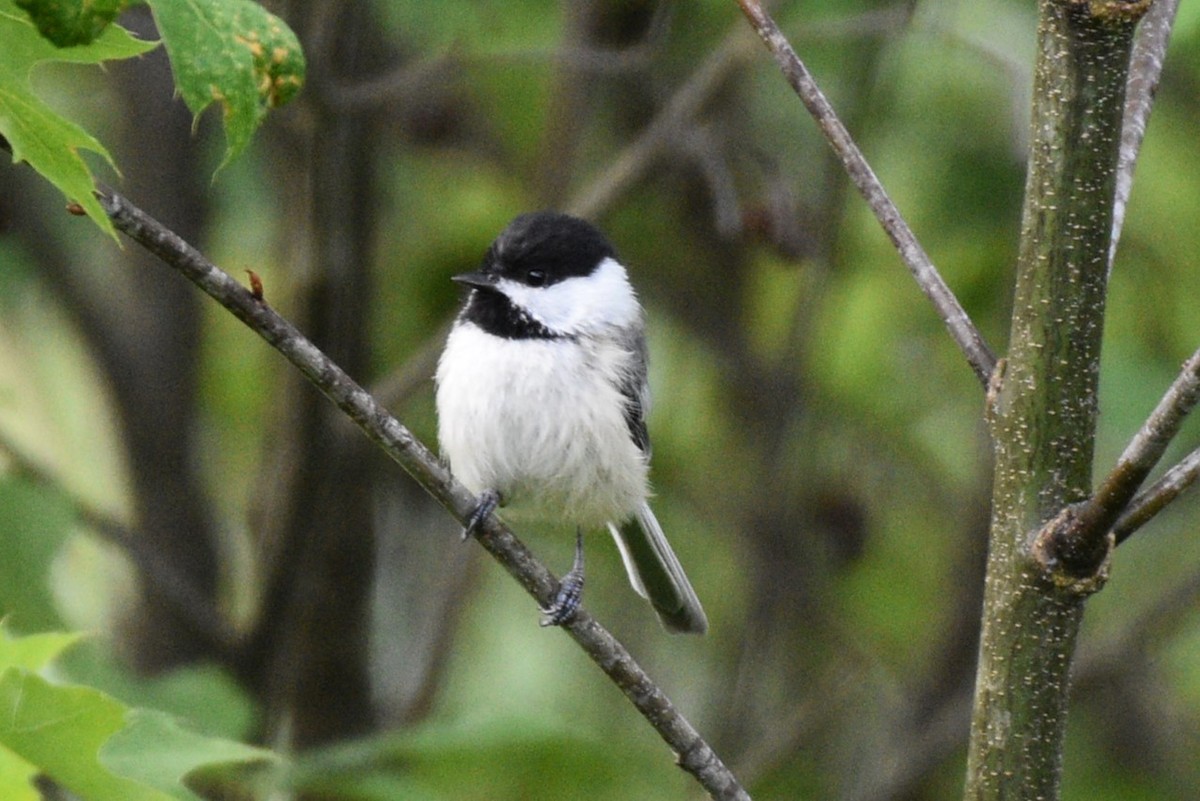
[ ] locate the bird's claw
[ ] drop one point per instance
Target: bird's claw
(570, 590)
(488, 501)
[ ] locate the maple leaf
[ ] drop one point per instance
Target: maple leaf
(39, 135)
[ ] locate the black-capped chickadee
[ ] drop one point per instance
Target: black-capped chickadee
(542, 399)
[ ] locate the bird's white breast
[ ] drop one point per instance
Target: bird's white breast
(542, 422)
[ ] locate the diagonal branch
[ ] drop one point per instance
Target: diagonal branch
(964, 332)
(694, 754)
(1148, 503)
(1151, 441)
(1145, 69)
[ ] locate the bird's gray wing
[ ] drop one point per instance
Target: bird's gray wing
(635, 389)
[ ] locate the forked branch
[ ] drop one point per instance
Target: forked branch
(1087, 524)
(1150, 502)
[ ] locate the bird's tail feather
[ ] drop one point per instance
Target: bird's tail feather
(655, 572)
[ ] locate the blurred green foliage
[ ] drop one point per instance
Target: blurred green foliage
(89, 742)
(820, 463)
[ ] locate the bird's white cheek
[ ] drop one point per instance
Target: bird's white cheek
(582, 304)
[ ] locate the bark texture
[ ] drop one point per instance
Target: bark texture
(1043, 399)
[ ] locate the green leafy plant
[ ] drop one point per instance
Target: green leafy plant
(90, 743)
(231, 52)
(37, 134)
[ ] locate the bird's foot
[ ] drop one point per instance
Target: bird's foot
(489, 499)
(570, 590)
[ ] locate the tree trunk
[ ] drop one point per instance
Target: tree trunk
(1042, 401)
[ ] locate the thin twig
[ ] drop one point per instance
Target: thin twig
(1095, 518)
(1145, 69)
(694, 754)
(964, 332)
(1148, 503)
(1151, 441)
(686, 102)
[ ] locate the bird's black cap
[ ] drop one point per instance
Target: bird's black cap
(542, 248)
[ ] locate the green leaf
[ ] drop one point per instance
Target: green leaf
(38, 134)
(16, 778)
(232, 52)
(72, 22)
(209, 699)
(32, 653)
(441, 761)
(90, 743)
(36, 523)
(35, 651)
(60, 730)
(156, 751)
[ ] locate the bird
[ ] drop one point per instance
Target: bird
(542, 396)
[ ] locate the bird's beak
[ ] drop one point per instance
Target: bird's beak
(479, 280)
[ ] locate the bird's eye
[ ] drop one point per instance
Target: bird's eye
(536, 277)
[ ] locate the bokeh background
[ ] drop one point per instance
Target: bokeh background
(247, 562)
